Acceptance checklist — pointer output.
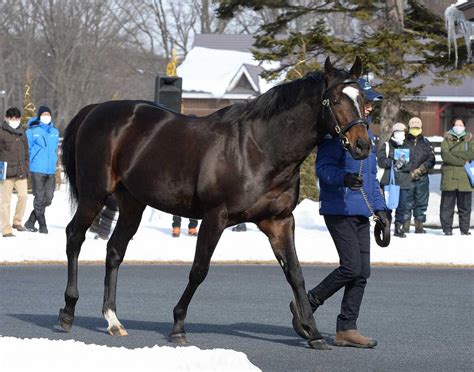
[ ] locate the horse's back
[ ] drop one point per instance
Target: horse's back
(158, 155)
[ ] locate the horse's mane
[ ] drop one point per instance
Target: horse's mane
(277, 100)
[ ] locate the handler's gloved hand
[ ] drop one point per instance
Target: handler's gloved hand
(353, 181)
(382, 215)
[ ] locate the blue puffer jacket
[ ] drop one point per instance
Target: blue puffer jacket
(43, 143)
(333, 163)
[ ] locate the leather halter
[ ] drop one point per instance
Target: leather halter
(341, 132)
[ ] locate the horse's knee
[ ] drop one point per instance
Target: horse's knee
(113, 262)
(73, 247)
(114, 258)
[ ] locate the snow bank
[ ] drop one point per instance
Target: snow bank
(59, 355)
(153, 241)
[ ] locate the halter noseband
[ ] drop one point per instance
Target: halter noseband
(341, 132)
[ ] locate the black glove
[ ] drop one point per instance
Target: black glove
(382, 215)
(353, 181)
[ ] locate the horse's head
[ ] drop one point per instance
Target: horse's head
(343, 108)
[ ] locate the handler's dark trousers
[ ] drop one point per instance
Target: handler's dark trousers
(351, 235)
(177, 222)
(43, 189)
(446, 213)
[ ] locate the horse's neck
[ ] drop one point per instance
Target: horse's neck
(290, 139)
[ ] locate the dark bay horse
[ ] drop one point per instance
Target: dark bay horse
(239, 164)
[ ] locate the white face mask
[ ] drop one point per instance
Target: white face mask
(458, 130)
(398, 137)
(14, 123)
(46, 119)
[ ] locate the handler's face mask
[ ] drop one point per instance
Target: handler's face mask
(415, 131)
(14, 123)
(46, 119)
(398, 137)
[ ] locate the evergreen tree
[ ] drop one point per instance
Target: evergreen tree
(396, 39)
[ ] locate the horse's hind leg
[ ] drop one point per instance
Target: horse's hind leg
(280, 232)
(129, 219)
(75, 235)
(212, 226)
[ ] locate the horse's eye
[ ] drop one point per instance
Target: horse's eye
(335, 101)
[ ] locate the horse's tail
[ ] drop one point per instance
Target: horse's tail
(68, 148)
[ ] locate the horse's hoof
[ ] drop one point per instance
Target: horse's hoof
(117, 331)
(178, 338)
(296, 321)
(65, 320)
(319, 344)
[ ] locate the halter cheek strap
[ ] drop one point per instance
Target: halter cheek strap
(341, 132)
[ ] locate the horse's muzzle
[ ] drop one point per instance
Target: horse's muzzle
(361, 150)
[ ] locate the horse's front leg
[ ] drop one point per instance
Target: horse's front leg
(280, 232)
(212, 226)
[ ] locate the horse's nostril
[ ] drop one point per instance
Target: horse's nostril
(360, 144)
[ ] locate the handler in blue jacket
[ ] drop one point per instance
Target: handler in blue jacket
(43, 139)
(346, 215)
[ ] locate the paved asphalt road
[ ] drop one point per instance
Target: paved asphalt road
(422, 317)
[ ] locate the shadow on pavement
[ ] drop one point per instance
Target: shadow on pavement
(264, 332)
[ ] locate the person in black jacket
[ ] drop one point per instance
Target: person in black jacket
(14, 152)
(389, 154)
(422, 159)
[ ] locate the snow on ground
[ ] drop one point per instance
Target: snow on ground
(153, 241)
(49, 355)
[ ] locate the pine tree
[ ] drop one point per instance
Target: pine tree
(308, 181)
(396, 42)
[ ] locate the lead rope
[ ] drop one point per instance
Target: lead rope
(364, 195)
(381, 232)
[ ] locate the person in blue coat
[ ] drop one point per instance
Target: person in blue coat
(346, 214)
(43, 139)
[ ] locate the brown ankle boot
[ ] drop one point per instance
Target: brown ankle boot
(353, 338)
(176, 232)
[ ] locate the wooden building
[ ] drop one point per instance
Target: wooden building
(220, 71)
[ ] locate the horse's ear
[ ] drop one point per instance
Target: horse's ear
(356, 69)
(328, 67)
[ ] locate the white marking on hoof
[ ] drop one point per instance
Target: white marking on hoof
(114, 324)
